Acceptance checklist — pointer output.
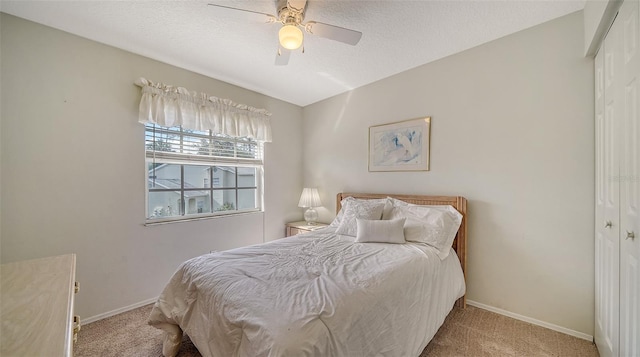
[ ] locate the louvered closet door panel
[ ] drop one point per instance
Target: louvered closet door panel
(630, 184)
(607, 336)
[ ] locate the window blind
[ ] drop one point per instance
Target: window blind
(183, 146)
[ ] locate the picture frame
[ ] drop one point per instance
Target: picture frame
(400, 146)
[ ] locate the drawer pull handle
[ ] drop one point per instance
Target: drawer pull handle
(630, 235)
(607, 224)
(76, 287)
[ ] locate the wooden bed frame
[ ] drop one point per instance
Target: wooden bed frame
(458, 202)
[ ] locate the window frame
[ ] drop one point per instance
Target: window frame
(210, 161)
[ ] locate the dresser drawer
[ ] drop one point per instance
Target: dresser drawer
(300, 227)
(293, 231)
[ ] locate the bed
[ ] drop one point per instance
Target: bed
(322, 293)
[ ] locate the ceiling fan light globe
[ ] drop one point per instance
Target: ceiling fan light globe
(290, 37)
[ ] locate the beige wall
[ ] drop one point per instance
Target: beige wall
(73, 172)
(512, 131)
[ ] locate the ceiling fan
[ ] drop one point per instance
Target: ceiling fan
(290, 13)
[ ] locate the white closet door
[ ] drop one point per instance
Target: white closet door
(608, 251)
(600, 181)
(629, 18)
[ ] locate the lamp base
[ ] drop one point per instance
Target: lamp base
(311, 216)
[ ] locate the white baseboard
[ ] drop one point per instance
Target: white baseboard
(118, 311)
(530, 320)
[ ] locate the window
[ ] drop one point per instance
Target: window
(197, 174)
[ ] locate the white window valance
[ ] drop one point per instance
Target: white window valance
(169, 106)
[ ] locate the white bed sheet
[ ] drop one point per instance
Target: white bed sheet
(316, 294)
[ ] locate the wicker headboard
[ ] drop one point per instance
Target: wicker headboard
(458, 202)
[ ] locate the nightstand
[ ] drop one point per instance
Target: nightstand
(294, 228)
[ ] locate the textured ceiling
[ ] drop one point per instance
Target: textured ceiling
(229, 46)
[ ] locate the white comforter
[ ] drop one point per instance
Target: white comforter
(316, 294)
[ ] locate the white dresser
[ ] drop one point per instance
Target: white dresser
(37, 298)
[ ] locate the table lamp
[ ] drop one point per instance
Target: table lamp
(310, 199)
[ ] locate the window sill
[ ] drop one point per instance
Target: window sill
(157, 222)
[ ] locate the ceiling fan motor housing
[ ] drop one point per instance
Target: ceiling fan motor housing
(288, 14)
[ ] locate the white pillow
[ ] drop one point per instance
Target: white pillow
(433, 225)
(336, 221)
(390, 231)
(394, 202)
(366, 209)
(390, 205)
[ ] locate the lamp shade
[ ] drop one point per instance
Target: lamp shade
(310, 198)
(290, 37)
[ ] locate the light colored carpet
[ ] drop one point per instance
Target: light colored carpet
(469, 332)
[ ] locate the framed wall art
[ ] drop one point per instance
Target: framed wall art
(401, 146)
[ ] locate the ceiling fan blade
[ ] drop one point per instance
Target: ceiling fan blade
(254, 15)
(341, 34)
(297, 5)
(282, 57)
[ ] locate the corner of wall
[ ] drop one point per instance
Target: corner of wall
(598, 17)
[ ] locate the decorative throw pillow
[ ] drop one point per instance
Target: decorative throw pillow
(391, 231)
(433, 225)
(391, 204)
(365, 209)
(336, 221)
(394, 202)
(388, 206)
